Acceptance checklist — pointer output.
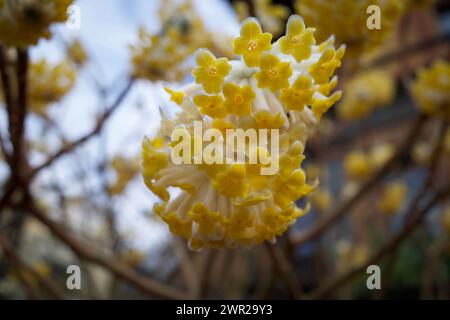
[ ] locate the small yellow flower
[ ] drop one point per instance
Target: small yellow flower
(152, 160)
(290, 188)
(238, 223)
(323, 69)
(177, 225)
(298, 95)
(252, 42)
(211, 105)
(322, 199)
(210, 71)
(266, 120)
(232, 182)
(175, 96)
(320, 106)
(274, 74)
(76, 53)
(298, 40)
(238, 100)
(205, 218)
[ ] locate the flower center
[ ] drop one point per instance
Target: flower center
(272, 72)
(252, 45)
(295, 41)
(212, 71)
(238, 99)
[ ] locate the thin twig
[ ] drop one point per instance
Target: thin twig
(100, 123)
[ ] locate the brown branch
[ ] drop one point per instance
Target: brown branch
(316, 230)
(392, 245)
(408, 51)
(120, 270)
(96, 130)
(286, 270)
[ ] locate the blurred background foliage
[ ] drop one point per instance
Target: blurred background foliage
(76, 103)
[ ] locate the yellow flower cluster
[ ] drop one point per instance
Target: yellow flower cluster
(392, 197)
(48, 84)
(233, 204)
(271, 16)
(366, 92)
(163, 56)
(24, 22)
(125, 170)
(346, 19)
(431, 90)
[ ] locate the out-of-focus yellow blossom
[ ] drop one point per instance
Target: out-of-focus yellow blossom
(350, 255)
(252, 42)
(421, 152)
(210, 71)
(298, 39)
(24, 22)
(357, 165)
(48, 84)
(274, 74)
(233, 204)
(76, 53)
(431, 89)
(322, 199)
(125, 170)
(445, 219)
(380, 154)
(271, 16)
(132, 257)
(365, 92)
(347, 20)
(238, 100)
(392, 197)
(38, 268)
(164, 55)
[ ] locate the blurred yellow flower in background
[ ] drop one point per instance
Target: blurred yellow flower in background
(24, 22)
(392, 197)
(431, 89)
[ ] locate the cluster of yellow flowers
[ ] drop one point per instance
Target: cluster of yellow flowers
(48, 84)
(392, 197)
(284, 85)
(24, 22)
(431, 89)
(365, 92)
(125, 170)
(346, 19)
(359, 165)
(163, 56)
(271, 16)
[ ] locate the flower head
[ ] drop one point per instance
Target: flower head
(232, 203)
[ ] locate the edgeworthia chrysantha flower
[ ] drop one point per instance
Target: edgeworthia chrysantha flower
(285, 86)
